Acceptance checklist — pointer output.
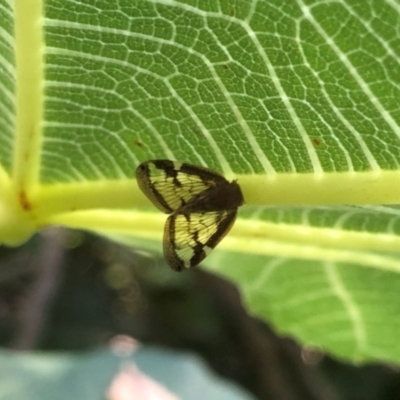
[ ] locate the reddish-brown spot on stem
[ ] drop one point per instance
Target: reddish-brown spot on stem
(23, 199)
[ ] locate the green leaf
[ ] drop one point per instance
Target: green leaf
(297, 101)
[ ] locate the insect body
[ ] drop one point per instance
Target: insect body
(202, 203)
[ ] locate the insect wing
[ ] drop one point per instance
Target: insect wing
(170, 185)
(190, 237)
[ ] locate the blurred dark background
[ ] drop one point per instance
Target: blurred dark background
(73, 291)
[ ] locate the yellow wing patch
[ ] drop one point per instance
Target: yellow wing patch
(189, 238)
(171, 184)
